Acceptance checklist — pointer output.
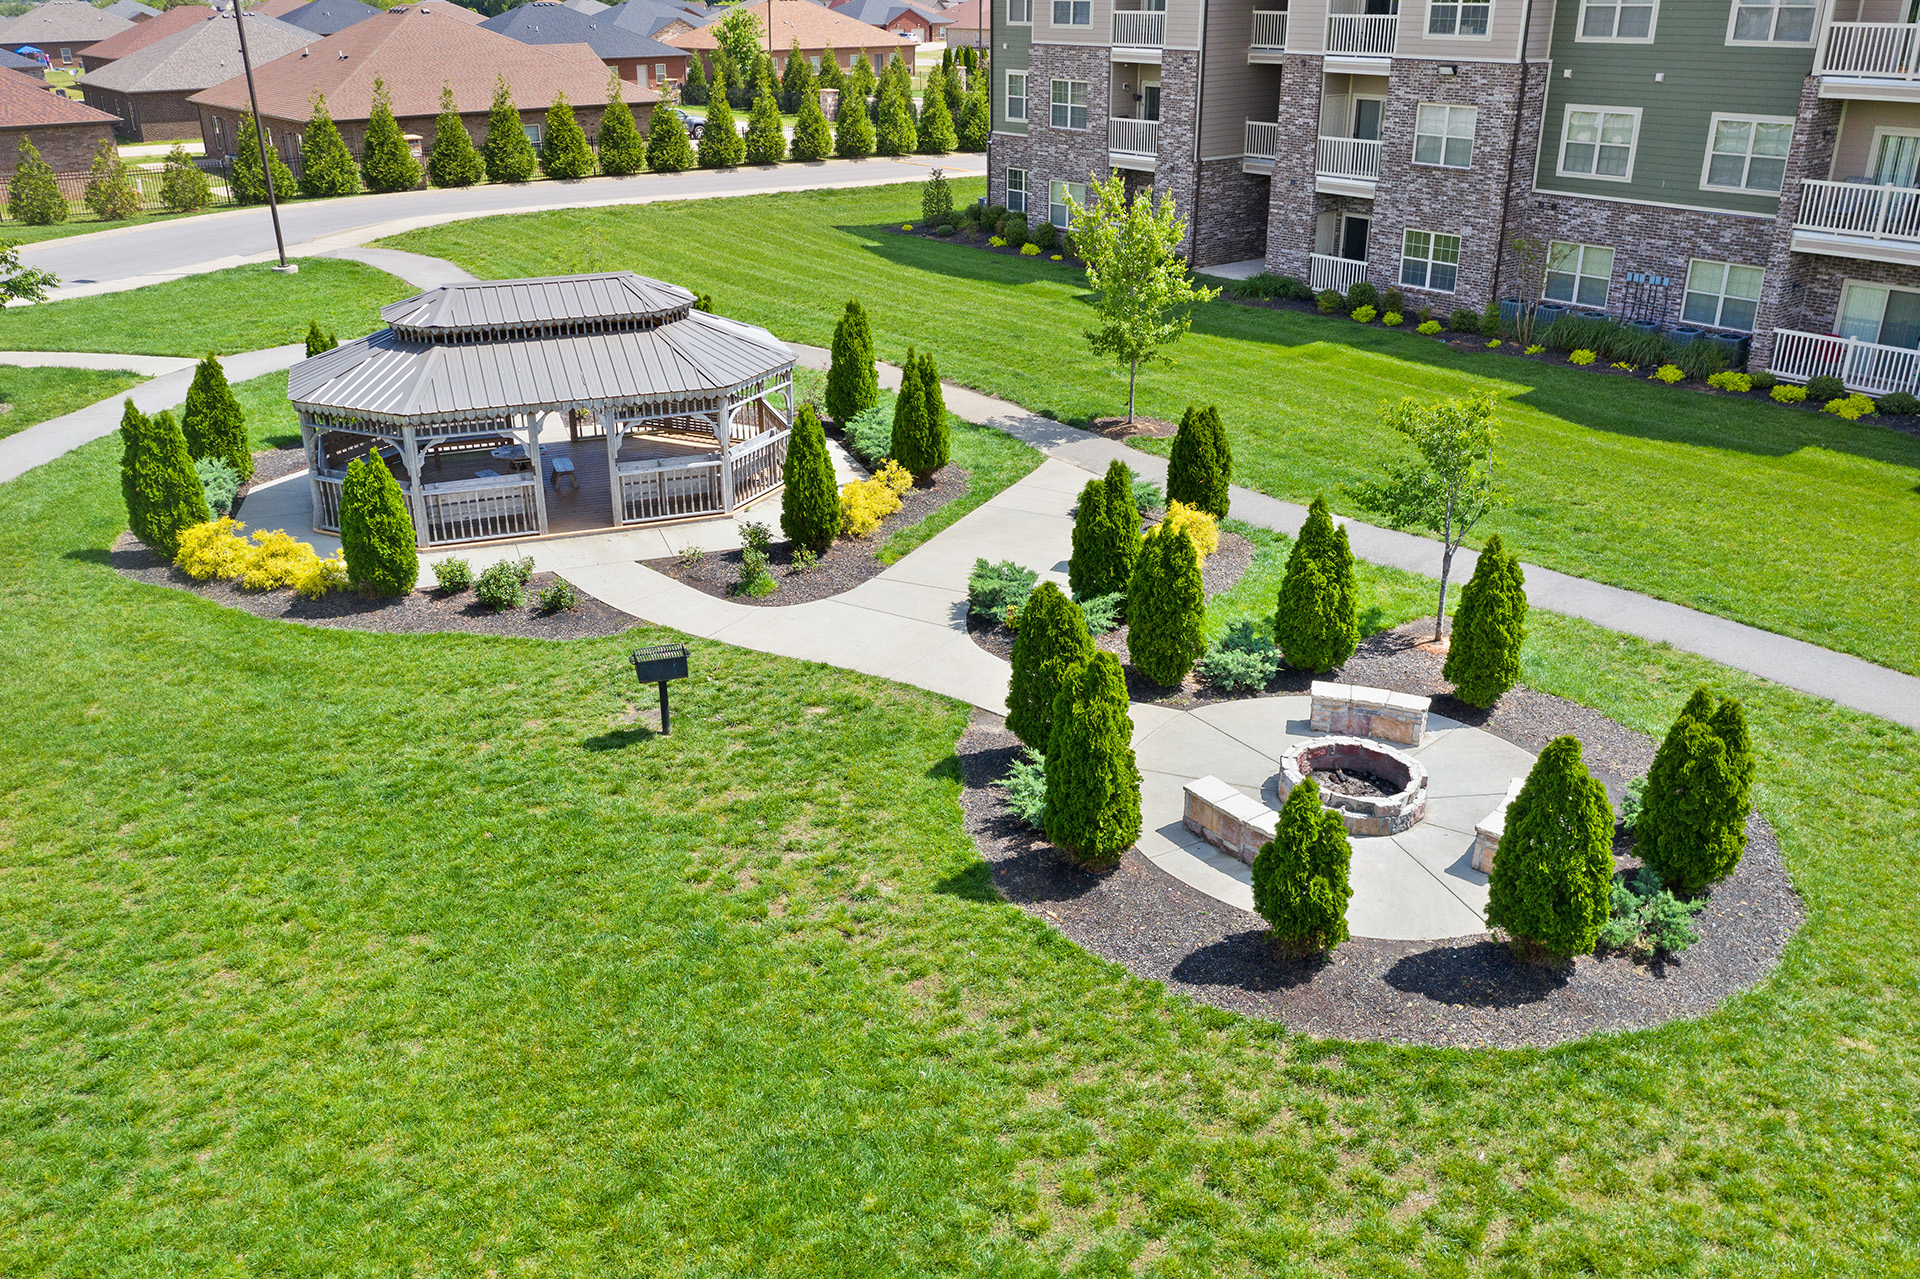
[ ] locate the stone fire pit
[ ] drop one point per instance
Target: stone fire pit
(1387, 814)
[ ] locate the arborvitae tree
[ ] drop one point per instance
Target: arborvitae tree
(1693, 816)
(622, 149)
(951, 88)
(919, 441)
(940, 434)
(1314, 623)
(852, 130)
(248, 184)
(812, 138)
(1124, 514)
(694, 91)
(33, 197)
(895, 134)
(454, 160)
(810, 504)
(1166, 609)
(1106, 536)
(765, 142)
(721, 146)
(1300, 878)
(1093, 785)
(111, 193)
(157, 480)
(1483, 661)
(858, 87)
(1051, 642)
(213, 424)
(735, 76)
(564, 152)
(853, 387)
(796, 82)
(1729, 724)
(385, 158)
(1551, 878)
(668, 150)
(507, 153)
(326, 166)
(936, 136)
(319, 339)
(1200, 469)
(376, 537)
(830, 76)
(976, 121)
(184, 187)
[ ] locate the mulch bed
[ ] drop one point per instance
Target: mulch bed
(1118, 428)
(1462, 991)
(274, 464)
(846, 564)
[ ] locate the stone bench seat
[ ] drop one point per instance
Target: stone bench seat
(1354, 710)
(1234, 823)
(1488, 830)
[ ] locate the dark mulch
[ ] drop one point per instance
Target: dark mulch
(1462, 991)
(421, 612)
(273, 464)
(846, 564)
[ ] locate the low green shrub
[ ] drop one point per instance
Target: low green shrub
(1102, 612)
(559, 597)
(1026, 788)
(1393, 319)
(1014, 230)
(1630, 802)
(1730, 381)
(501, 587)
(1898, 404)
(1669, 374)
(1363, 294)
(1698, 359)
(1822, 389)
(453, 575)
(754, 579)
(1581, 357)
(219, 481)
(1045, 236)
(1764, 381)
(1787, 393)
(756, 535)
(1464, 321)
(992, 589)
(1851, 407)
(1148, 497)
(1491, 322)
(1363, 314)
(1329, 301)
(1268, 285)
(1644, 919)
(1393, 300)
(1240, 661)
(870, 434)
(1428, 327)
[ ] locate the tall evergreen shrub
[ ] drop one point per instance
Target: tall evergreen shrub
(157, 479)
(183, 184)
(810, 503)
(975, 122)
(1300, 877)
(919, 420)
(1692, 827)
(245, 179)
(1551, 880)
(721, 147)
(853, 384)
(852, 130)
(1106, 536)
(668, 150)
(1166, 609)
(766, 143)
(936, 135)
(385, 159)
(1315, 625)
(454, 160)
(812, 138)
(1051, 642)
(622, 149)
(796, 82)
(694, 91)
(1483, 661)
(564, 152)
(33, 197)
(376, 536)
(1200, 469)
(212, 423)
(326, 165)
(894, 133)
(507, 154)
(1093, 784)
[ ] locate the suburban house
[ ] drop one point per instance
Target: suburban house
(11, 61)
(416, 49)
(969, 23)
(915, 23)
(62, 29)
(639, 58)
(327, 17)
(660, 19)
(131, 10)
(66, 132)
(815, 27)
(278, 8)
(150, 90)
(142, 34)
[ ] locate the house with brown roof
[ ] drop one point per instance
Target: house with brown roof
(970, 23)
(151, 89)
(330, 17)
(66, 132)
(914, 23)
(816, 27)
(131, 10)
(63, 28)
(142, 34)
(416, 49)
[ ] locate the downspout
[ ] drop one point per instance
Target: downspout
(1513, 145)
(1199, 79)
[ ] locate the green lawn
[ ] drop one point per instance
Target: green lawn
(38, 394)
(335, 953)
(1798, 523)
(244, 308)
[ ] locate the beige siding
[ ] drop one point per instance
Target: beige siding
(1233, 92)
(1870, 10)
(1098, 32)
(1307, 26)
(1136, 74)
(1854, 149)
(1183, 23)
(1505, 24)
(1539, 30)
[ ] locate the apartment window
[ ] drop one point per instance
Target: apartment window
(66, 56)
(1722, 295)
(1615, 20)
(1578, 273)
(1016, 190)
(1771, 22)
(533, 134)
(1597, 142)
(1747, 154)
(1072, 13)
(1875, 313)
(1429, 260)
(814, 61)
(1057, 195)
(1069, 104)
(1016, 95)
(1443, 135)
(1456, 18)
(660, 71)
(1020, 11)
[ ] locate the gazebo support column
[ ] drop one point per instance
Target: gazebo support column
(610, 423)
(532, 422)
(310, 445)
(416, 500)
(725, 434)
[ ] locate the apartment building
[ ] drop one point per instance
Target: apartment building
(1740, 166)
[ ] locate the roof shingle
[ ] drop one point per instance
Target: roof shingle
(60, 22)
(812, 25)
(26, 105)
(549, 22)
(203, 55)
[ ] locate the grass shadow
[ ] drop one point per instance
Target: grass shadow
(620, 738)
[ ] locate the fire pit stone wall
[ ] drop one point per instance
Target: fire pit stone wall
(1362, 814)
(1354, 710)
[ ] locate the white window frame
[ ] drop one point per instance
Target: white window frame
(1433, 243)
(535, 134)
(1580, 35)
(1579, 274)
(66, 55)
(1459, 7)
(1881, 133)
(1086, 105)
(1445, 134)
(1020, 189)
(1024, 7)
(1073, 8)
(1061, 187)
(1847, 285)
(1007, 102)
(1633, 148)
(1733, 20)
(1713, 128)
(1720, 306)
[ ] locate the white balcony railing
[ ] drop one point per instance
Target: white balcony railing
(1854, 208)
(1269, 29)
(1263, 140)
(1357, 158)
(1862, 366)
(1339, 274)
(1133, 137)
(1883, 49)
(1364, 34)
(1140, 28)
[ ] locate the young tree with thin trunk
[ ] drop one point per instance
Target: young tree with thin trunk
(1051, 642)
(454, 160)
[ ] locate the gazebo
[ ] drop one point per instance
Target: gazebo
(480, 398)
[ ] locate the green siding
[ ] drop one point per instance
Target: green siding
(1011, 57)
(1703, 75)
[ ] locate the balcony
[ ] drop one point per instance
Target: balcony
(1867, 367)
(1346, 166)
(1854, 220)
(1260, 148)
(1361, 35)
(1269, 42)
(1870, 60)
(1338, 274)
(1133, 144)
(1135, 30)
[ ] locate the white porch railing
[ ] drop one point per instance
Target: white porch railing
(1348, 157)
(1133, 137)
(1854, 208)
(1886, 49)
(1140, 28)
(1363, 34)
(1339, 274)
(759, 466)
(478, 510)
(1861, 366)
(1263, 140)
(1269, 29)
(326, 502)
(666, 489)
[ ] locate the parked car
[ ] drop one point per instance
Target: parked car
(695, 124)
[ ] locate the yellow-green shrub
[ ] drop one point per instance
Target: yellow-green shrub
(321, 576)
(864, 503)
(895, 476)
(1393, 319)
(997, 241)
(1728, 380)
(278, 560)
(273, 558)
(1364, 314)
(1669, 373)
(1199, 526)
(1787, 393)
(1853, 407)
(1581, 357)
(213, 549)
(1428, 327)
(1030, 250)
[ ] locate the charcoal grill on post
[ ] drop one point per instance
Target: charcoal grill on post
(657, 664)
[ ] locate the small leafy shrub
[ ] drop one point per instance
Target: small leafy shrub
(1898, 404)
(1102, 612)
(1787, 393)
(1428, 327)
(1492, 323)
(943, 229)
(1026, 788)
(500, 586)
(210, 550)
(1393, 300)
(754, 578)
(1535, 349)
(559, 597)
(219, 481)
(1053, 257)
(1045, 238)
(1630, 802)
(1199, 526)
(864, 504)
(1698, 359)
(1363, 314)
(1014, 230)
(1645, 919)
(1363, 294)
(1328, 301)
(992, 589)
(1669, 374)
(1240, 661)
(1148, 497)
(1622, 364)
(803, 561)
(278, 560)
(1393, 319)
(455, 574)
(1464, 321)
(1029, 250)
(691, 556)
(870, 434)
(1764, 381)
(996, 241)
(1851, 407)
(321, 576)
(756, 535)
(1727, 380)
(273, 558)
(1822, 389)
(1493, 342)
(1581, 357)
(1426, 313)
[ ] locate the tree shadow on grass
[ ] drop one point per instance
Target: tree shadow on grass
(1477, 974)
(1248, 961)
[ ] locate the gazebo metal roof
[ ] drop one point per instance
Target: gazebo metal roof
(534, 306)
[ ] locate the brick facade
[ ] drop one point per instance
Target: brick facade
(1046, 153)
(1229, 217)
(1291, 206)
(148, 117)
(67, 148)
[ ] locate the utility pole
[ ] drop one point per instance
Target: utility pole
(260, 138)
